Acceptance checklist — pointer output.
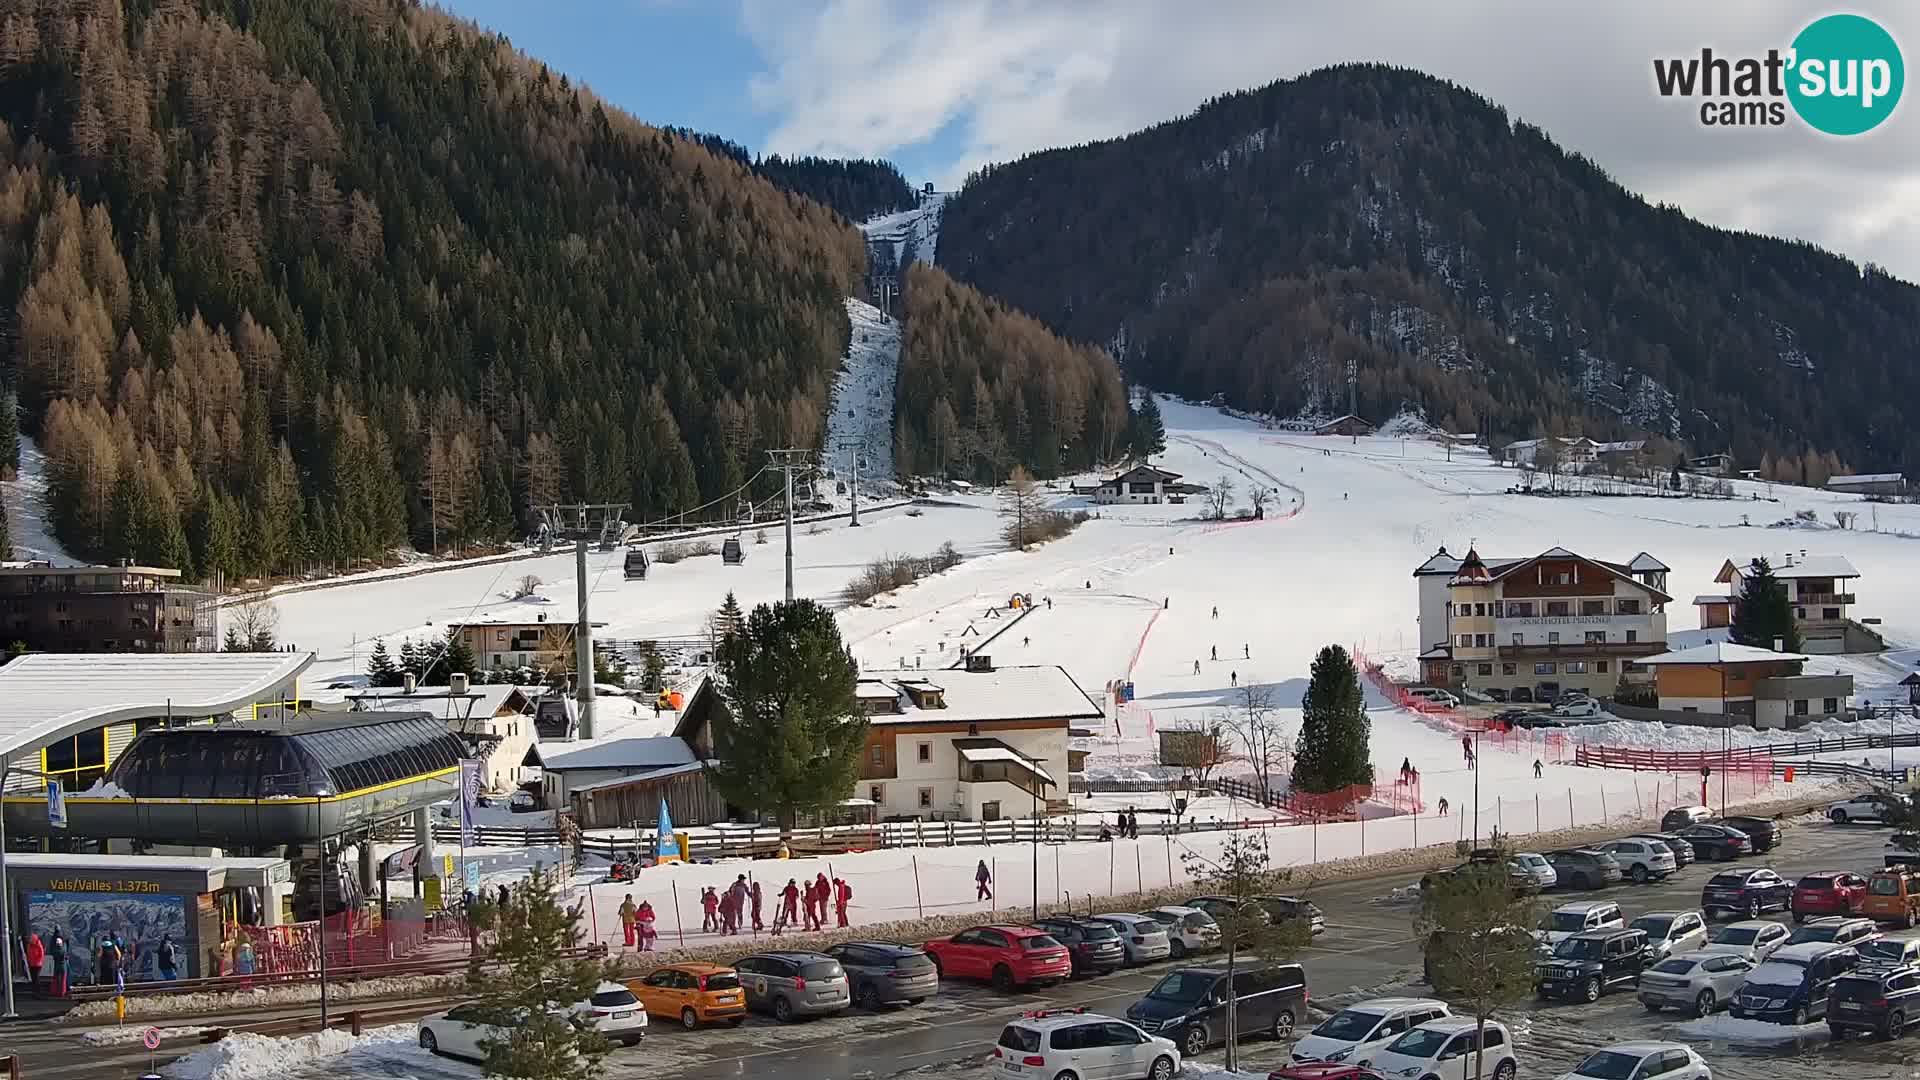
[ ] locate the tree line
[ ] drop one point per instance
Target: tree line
(856, 188)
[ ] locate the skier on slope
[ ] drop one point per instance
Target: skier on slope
(1196, 667)
(1216, 652)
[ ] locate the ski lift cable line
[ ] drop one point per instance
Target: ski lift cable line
(715, 501)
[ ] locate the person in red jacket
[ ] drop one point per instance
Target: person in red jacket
(811, 899)
(842, 896)
(36, 956)
(710, 905)
(789, 906)
(822, 892)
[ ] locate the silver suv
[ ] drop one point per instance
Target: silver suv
(1699, 981)
(794, 984)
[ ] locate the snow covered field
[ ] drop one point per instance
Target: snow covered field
(1133, 594)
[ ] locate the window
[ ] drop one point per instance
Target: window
(1576, 667)
(1487, 669)
(1465, 640)
(1519, 639)
(1481, 641)
(1520, 609)
(1495, 1037)
(1545, 667)
(1830, 705)
(1633, 636)
(1830, 613)
(878, 754)
(1559, 607)
(1799, 706)
(1593, 607)
(1479, 609)
(1553, 637)
(924, 751)
(1626, 606)
(1596, 637)
(1799, 613)
(1600, 667)
(926, 798)
(1458, 670)
(1509, 669)
(877, 793)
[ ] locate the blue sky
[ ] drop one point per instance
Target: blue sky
(941, 87)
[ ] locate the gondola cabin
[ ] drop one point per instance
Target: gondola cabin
(637, 564)
(732, 553)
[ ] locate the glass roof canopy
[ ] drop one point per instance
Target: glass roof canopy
(304, 757)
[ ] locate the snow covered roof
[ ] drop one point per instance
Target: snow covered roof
(1802, 566)
(647, 774)
(874, 688)
(978, 754)
(1719, 652)
(633, 752)
(1144, 472)
(1623, 570)
(48, 696)
(479, 702)
(1858, 479)
(1043, 692)
(1623, 446)
(1643, 563)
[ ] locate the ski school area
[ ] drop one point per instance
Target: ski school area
(1168, 622)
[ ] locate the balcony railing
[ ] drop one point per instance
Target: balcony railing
(1816, 599)
(1580, 648)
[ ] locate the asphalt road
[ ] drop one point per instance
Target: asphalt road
(1368, 950)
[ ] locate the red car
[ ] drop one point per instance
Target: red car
(1324, 1070)
(1830, 892)
(1006, 956)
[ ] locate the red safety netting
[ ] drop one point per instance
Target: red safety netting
(1545, 744)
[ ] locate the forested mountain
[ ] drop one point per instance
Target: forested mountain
(1459, 259)
(294, 281)
(983, 387)
(857, 188)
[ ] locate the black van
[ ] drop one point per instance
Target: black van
(1793, 985)
(1189, 1004)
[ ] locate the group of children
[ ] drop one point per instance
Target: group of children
(728, 911)
(815, 894)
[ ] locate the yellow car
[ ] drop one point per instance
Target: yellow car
(693, 994)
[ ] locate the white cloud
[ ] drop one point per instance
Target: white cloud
(967, 82)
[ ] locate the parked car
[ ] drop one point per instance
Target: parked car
(1353, 1034)
(1094, 946)
(692, 994)
(1893, 894)
(522, 801)
(1890, 950)
(1641, 860)
(1642, 1061)
(1584, 868)
(1717, 843)
(1189, 930)
(1538, 870)
(1836, 930)
(1520, 695)
(1280, 908)
(1755, 939)
(1869, 806)
(1580, 708)
(1050, 1043)
(1435, 696)
(1792, 987)
(883, 973)
(462, 1030)
(1586, 965)
(1006, 956)
(1579, 917)
(1495, 693)
(615, 1013)
(1698, 981)
(1189, 1005)
(794, 984)
(1323, 1070)
(1444, 1049)
(1763, 833)
(1682, 816)
(1830, 892)
(1671, 932)
(1219, 907)
(1682, 851)
(1883, 999)
(1142, 939)
(1746, 892)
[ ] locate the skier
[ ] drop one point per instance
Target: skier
(1049, 603)
(168, 959)
(727, 912)
(1233, 678)
(1443, 806)
(754, 895)
(710, 910)
(628, 929)
(739, 897)
(36, 956)
(1406, 768)
(1466, 750)
(1216, 611)
(1106, 834)
(644, 919)
(842, 896)
(1196, 667)
(789, 906)
(1133, 823)
(1026, 641)
(822, 892)
(1537, 768)
(1215, 650)
(1246, 652)
(981, 880)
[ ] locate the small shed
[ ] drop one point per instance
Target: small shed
(1345, 425)
(1912, 683)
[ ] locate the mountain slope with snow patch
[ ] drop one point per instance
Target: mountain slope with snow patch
(862, 410)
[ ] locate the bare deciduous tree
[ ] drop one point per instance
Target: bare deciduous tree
(252, 624)
(1220, 498)
(1260, 497)
(1255, 724)
(528, 585)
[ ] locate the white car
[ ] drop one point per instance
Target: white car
(1048, 1043)
(1142, 937)
(1445, 1049)
(616, 1014)
(522, 801)
(1189, 930)
(1578, 708)
(1641, 860)
(1578, 918)
(1435, 696)
(1672, 932)
(1755, 939)
(1356, 1032)
(1870, 806)
(1536, 868)
(460, 1031)
(1642, 1061)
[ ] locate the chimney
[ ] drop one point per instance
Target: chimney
(541, 617)
(1779, 644)
(457, 683)
(408, 683)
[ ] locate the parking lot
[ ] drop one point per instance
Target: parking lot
(1368, 950)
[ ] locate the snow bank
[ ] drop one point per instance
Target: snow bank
(155, 1005)
(105, 789)
(133, 1033)
(1723, 1027)
(246, 1056)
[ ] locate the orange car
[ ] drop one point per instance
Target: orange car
(693, 994)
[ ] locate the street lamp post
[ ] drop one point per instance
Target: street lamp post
(1476, 786)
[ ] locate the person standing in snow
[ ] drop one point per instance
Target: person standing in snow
(1246, 652)
(739, 891)
(710, 908)
(1537, 768)
(1443, 806)
(981, 880)
(1233, 678)
(1216, 611)
(822, 892)
(789, 906)
(1214, 650)
(643, 918)
(754, 895)
(1196, 667)
(842, 896)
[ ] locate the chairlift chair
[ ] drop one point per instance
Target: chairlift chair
(744, 513)
(637, 563)
(731, 553)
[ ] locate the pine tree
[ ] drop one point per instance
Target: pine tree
(381, 669)
(233, 642)
(727, 620)
(532, 962)
(9, 434)
(1333, 751)
(1762, 613)
(1147, 434)
(411, 662)
(458, 656)
(791, 735)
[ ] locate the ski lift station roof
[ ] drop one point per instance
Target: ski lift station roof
(46, 696)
